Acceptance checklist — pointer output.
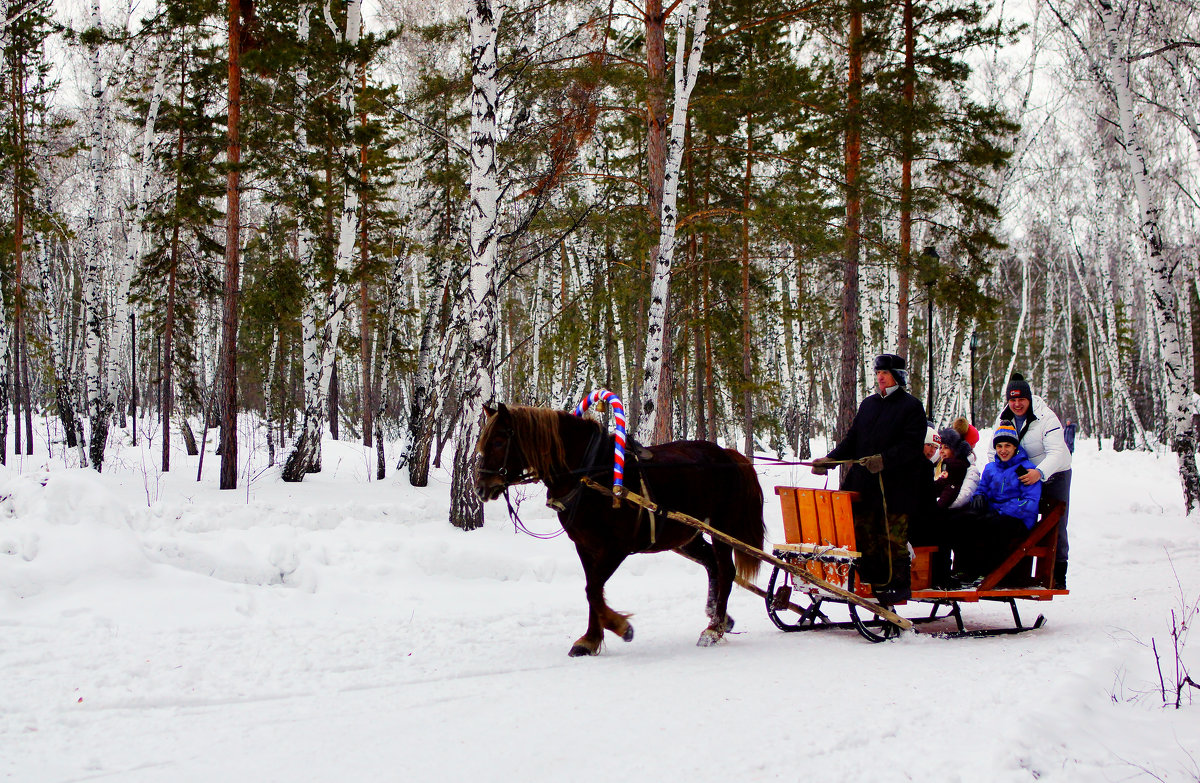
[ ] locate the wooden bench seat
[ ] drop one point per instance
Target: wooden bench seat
(818, 527)
(1027, 572)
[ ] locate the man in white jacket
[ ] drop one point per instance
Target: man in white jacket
(1041, 436)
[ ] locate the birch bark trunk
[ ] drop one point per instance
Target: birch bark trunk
(304, 456)
(64, 391)
(98, 406)
(685, 79)
(1163, 300)
(421, 407)
(483, 19)
(1020, 328)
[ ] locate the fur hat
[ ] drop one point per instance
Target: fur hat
(955, 442)
(1006, 433)
(1018, 387)
(894, 364)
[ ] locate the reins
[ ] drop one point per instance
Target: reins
(565, 503)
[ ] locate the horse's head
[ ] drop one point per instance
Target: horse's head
(500, 461)
(518, 445)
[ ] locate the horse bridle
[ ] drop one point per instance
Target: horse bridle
(525, 477)
(528, 476)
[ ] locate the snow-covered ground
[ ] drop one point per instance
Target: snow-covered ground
(156, 628)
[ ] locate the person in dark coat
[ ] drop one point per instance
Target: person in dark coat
(887, 435)
(955, 462)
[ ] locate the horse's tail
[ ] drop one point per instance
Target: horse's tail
(747, 520)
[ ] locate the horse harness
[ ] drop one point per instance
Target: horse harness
(566, 503)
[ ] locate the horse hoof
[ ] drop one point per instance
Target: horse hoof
(728, 623)
(628, 635)
(580, 650)
(708, 638)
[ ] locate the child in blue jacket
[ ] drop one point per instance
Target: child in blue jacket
(1002, 510)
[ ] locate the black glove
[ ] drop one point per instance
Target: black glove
(821, 465)
(979, 504)
(873, 463)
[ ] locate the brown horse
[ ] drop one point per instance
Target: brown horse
(521, 444)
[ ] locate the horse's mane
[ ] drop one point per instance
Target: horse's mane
(537, 431)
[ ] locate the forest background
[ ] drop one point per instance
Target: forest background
(279, 219)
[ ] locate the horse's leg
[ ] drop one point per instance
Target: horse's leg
(720, 585)
(597, 569)
(700, 550)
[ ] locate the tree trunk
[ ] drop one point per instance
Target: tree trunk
(168, 361)
(269, 394)
(1019, 330)
(652, 422)
(747, 358)
(1163, 301)
(906, 161)
(364, 309)
(305, 456)
(64, 392)
(20, 390)
(656, 107)
(334, 404)
(420, 414)
(99, 409)
(233, 213)
(189, 437)
(18, 441)
(848, 386)
(466, 508)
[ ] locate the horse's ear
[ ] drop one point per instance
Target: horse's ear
(502, 408)
(488, 410)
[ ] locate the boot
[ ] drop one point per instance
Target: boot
(1060, 574)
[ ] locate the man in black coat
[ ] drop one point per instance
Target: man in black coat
(887, 434)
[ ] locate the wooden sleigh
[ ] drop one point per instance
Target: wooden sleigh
(819, 534)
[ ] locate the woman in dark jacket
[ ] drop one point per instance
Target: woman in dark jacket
(956, 460)
(932, 528)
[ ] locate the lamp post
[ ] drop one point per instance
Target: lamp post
(974, 346)
(931, 258)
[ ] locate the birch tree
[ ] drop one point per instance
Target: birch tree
(1163, 300)
(98, 406)
(483, 20)
(652, 423)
